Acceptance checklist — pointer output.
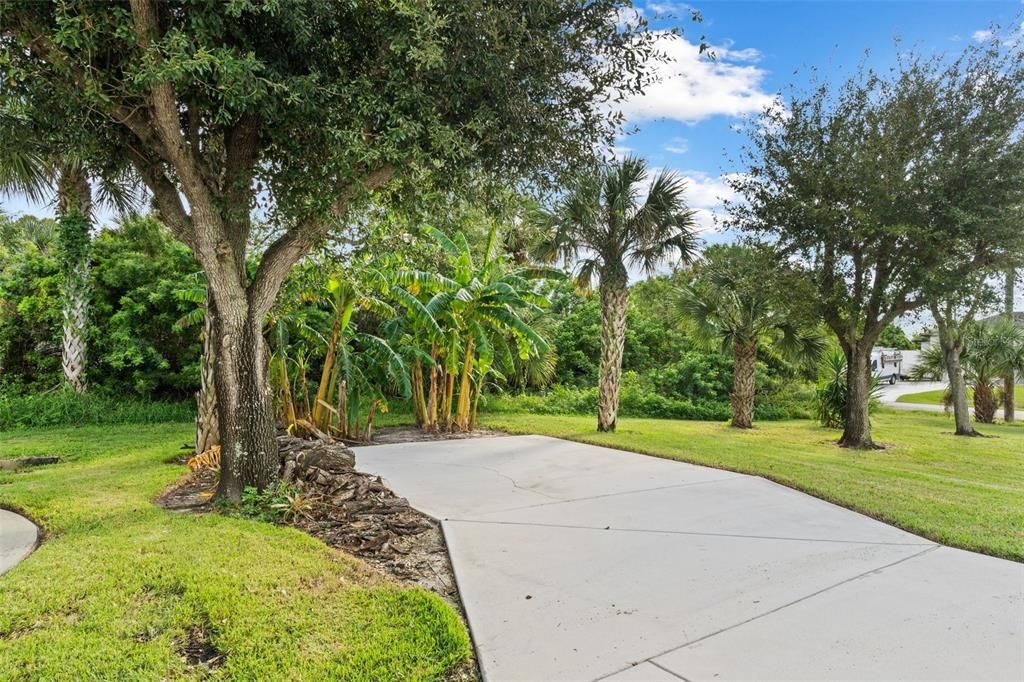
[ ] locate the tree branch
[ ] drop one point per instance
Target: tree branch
(286, 251)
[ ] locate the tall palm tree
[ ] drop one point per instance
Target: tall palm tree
(606, 225)
(26, 169)
(732, 304)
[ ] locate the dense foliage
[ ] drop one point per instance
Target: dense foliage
(890, 186)
(147, 302)
(136, 349)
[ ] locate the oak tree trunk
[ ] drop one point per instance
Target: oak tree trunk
(743, 384)
(247, 432)
(951, 351)
(614, 303)
(207, 427)
(74, 208)
(857, 427)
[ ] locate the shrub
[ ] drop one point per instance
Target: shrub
(830, 394)
(279, 504)
(637, 399)
(66, 408)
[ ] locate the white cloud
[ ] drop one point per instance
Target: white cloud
(628, 16)
(982, 35)
(676, 9)
(691, 87)
(678, 145)
(705, 194)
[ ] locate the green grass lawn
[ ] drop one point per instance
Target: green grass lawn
(965, 492)
(118, 581)
(935, 398)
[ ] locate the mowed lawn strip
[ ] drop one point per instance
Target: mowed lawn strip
(963, 492)
(935, 398)
(119, 582)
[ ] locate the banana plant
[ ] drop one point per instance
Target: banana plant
(458, 316)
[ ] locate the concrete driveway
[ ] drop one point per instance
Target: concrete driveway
(577, 562)
(17, 539)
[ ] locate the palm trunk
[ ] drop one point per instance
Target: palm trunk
(1009, 380)
(857, 427)
(614, 303)
(446, 404)
(743, 384)
(207, 428)
(368, 433)
(74, 206)
(984, 403)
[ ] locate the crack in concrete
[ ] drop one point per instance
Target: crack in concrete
(650, 659)
(515, 484)
(673, 673)
(693, 532)
(616, 494)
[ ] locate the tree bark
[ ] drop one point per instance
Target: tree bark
(74, 208)
(614, 303)
(743, 384)
(207, 427)
(984, 403)
(857, 427)
(951, 341)
(1009, 403)
(951, 351)
(247, 434)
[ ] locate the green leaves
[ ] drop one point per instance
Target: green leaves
(605, 218)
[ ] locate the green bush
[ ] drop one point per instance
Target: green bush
(638, 399)
(830, 394)
(66, 408)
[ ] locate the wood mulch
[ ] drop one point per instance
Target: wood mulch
(352, 511)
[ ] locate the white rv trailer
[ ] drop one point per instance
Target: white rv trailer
(891, 365)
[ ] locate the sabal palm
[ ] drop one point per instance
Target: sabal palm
(26, 168)
(616, 218)
(731, 305)
(990, 352)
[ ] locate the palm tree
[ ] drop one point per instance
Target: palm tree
(25, 169)
(732, 303)
(606, 225)
(989, 351)
(207, 423)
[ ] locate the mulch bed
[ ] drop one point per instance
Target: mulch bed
(352, 511)
(410, 434)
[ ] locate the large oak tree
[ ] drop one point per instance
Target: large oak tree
(888, 187)
(296, 112)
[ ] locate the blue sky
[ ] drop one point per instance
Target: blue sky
(688, 121)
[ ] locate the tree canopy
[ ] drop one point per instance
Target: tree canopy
(891, 185)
